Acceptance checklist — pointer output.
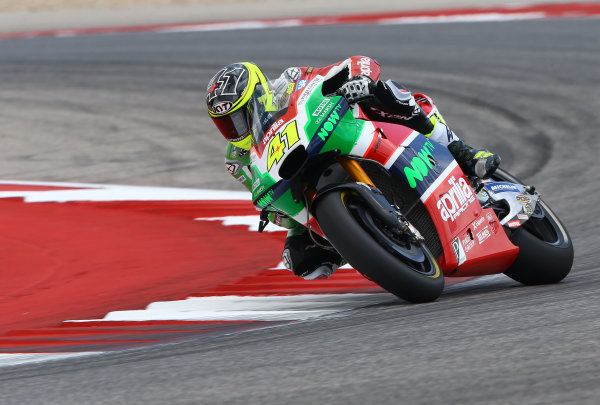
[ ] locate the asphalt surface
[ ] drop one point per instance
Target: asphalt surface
(129, 109)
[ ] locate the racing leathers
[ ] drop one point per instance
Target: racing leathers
(357, 79)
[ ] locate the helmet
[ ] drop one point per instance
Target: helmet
(228, 96)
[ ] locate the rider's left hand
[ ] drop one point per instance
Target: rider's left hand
(357, 89)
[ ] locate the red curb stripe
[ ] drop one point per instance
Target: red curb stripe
(57, 333)
(561, 10)
(138, 324)
(25, 343)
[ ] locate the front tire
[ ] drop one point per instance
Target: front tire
(409, 272)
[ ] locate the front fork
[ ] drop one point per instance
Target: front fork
(355, 170)
(373, 197)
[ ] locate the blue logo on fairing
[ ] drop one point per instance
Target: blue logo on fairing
(502, 187)
(301, 84)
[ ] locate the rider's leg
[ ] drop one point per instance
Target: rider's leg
(396, 103)
(478, 162)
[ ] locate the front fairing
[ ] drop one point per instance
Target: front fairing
(312, 122)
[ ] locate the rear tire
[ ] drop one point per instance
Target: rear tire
(546, 250)
(411, 273)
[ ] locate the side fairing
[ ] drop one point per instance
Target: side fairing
(469, 234)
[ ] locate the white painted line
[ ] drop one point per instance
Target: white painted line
(98, 192)
(248, 308)
(462, 18)
(14, 359)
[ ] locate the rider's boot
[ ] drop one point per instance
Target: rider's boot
(306, 259)
(474, 162)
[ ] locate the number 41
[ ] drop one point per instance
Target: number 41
(277, 146)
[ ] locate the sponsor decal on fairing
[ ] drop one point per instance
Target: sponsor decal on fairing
(364, 64)
(269, 134)
(478, 222)
(456, 200)
(308, 90)
(501, 187)
(301, 84)
(420, 165)
(329, 125)
(468, 243)
(483, 235)
(320, 108)
(457, 246)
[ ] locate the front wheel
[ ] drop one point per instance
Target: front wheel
(405, 269)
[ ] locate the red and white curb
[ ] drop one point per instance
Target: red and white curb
(473, 14)
(57, 274)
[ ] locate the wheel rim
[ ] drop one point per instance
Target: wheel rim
(547, 228)
(417, 257)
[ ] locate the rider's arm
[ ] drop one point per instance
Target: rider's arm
(237, 163)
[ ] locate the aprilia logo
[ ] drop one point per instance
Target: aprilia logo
(365, 66)
(456, 200)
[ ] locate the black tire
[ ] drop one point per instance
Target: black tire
(413, 274)
(546, 250)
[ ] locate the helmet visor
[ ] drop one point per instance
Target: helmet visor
(234, 126)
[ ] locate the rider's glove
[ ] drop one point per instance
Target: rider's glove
(357, 88)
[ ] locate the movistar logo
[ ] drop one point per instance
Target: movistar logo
(330, 124)
(420, 165)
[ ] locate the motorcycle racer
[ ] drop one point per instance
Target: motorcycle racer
(239, 89)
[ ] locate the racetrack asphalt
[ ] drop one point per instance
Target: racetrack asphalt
(129, 109)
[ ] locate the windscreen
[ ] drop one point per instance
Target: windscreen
(267, 105)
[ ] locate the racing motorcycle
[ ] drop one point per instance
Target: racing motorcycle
(392, 202)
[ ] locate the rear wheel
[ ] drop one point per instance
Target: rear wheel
(384, 255)
(546, 250)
